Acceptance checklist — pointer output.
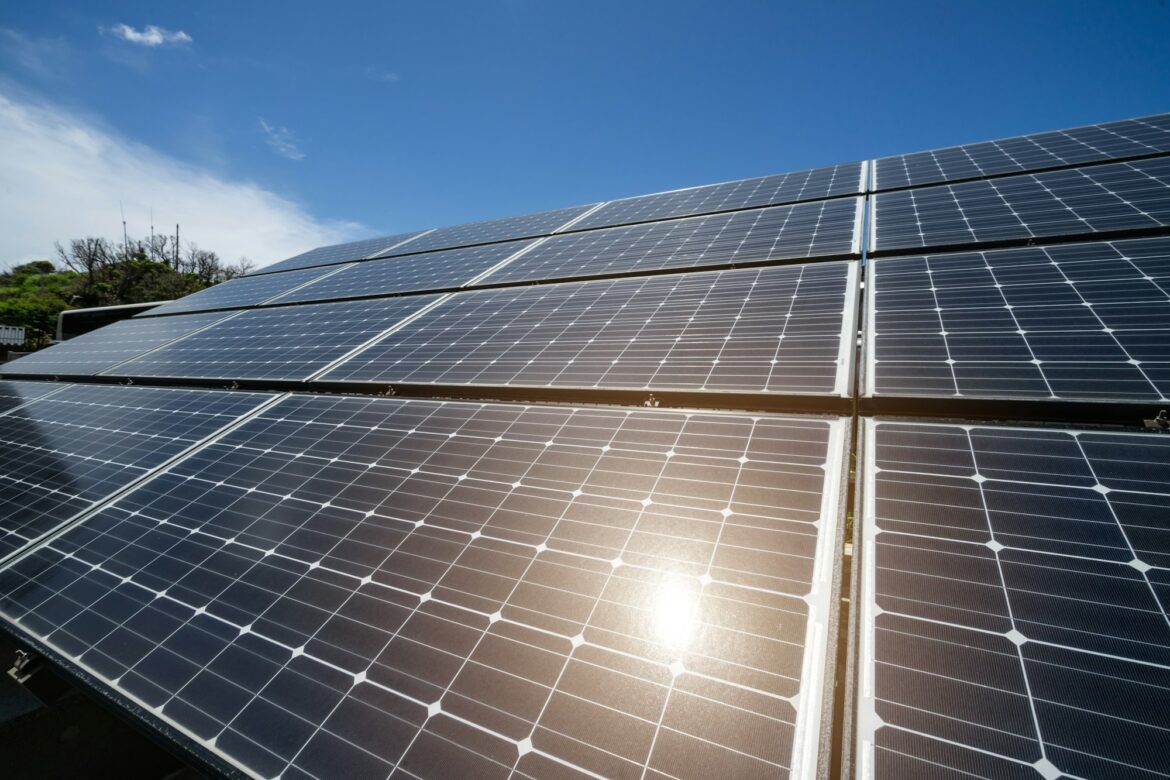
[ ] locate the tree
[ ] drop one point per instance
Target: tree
(97, 272)
(31, 296)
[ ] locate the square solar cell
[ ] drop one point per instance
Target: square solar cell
(814, 184)
(1108, 141)
(93, 352)
(818, 229)
(1071, 321)
(442, 270)
(1013, 603)
(782, 329)
(340, 253)
(489, 231)
(286, 342)
(65, 451)
(1102, 198)
(241, 292)
(358, 587)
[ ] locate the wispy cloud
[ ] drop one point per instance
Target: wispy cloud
(63, 177)
(150, 35)
(380, 74)
(281, 140)
(47, 58)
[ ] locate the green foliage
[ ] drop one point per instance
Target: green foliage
(95, 272)
(31, 296)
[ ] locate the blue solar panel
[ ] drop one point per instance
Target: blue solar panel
(1013, 603)
(1079, 201)
(286, 343)
(815, 184)
(1108, 141)
(63, 452)
(96, 351)
(242, 292)
(15, 393)
(340, 253)
(785, 329)
(825, 228)
(356, 587)
(1070, 321)
(492, 230)
(439, 270)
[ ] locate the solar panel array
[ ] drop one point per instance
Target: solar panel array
(1088, 200)
(1058, 149)
(341, 253)
(815, 184)
(326, 582)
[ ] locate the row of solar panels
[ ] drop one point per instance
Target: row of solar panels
(306, 585)
(309, 585)
(1067, 321)
(1018, 207)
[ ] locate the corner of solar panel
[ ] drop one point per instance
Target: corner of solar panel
(568, 493)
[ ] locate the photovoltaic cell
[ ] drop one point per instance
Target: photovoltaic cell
(338, 253)
(781, 232)
(244, 291)
(1089, 321)
(1112, 140)
(355, 587)
(1013, 603)
(105, 347)
(13, 393)
(288, 342)
(524, 226)
(828, 182)
(431, 271)
(61, 453)
(776, 329)
(1120, 196)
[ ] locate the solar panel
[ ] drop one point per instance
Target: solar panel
(1088, 321)
(1013, 603)
(431, 271)
(244, 291)
(814, 184)
(106, 347)
(356, 586)
(16, 393)
(824, 228)
(524, 226)
(340, 253)
(776, 329)
(1108, 141)
(61, 453)
(1121, 196)
(282, 343)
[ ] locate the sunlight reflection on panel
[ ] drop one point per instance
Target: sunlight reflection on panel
(674, 612)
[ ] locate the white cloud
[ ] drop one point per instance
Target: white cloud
(148, 36)
(281, 140)
(62, 177)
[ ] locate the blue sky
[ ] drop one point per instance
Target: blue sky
(269, 127)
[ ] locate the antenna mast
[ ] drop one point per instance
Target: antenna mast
(125, 236)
